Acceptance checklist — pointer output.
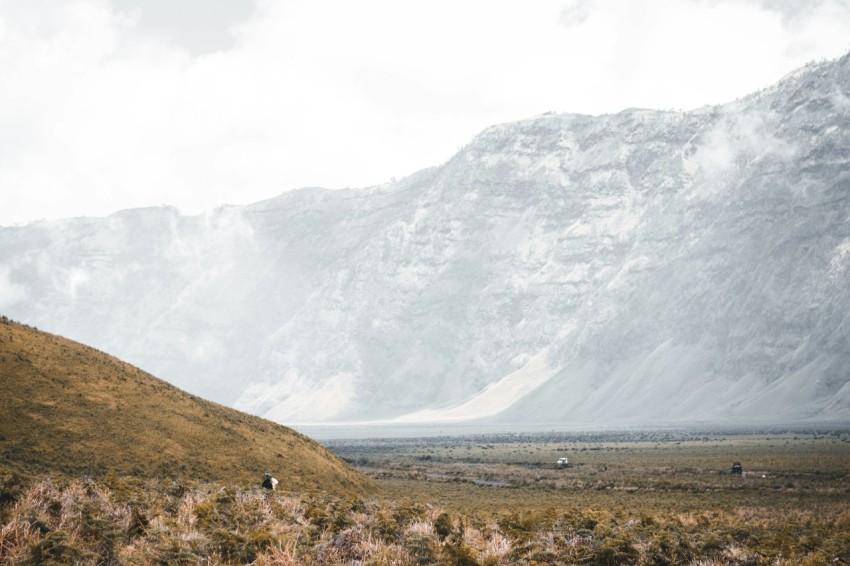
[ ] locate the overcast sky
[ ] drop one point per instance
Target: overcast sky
(112, 104)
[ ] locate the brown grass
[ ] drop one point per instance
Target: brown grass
(103, 464)
(784, 472)
(70, 409)
(123, 520)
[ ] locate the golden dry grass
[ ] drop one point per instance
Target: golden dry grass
(121, 520)
(633, 498)
(143, 473)
(71, 409)
(784, 472)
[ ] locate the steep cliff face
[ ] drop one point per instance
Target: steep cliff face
(645, 266)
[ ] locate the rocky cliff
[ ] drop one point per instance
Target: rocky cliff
(641, 267)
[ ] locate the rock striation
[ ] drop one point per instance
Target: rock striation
(644, 267)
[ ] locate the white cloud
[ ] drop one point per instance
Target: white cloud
(99, 112)
(10, 291)
(748, 134)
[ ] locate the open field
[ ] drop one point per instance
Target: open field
(794, 492)
(636, 498)
(646, 470)
(670, 466)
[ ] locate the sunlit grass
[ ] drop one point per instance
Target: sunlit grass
(69, 408)
(435, 514)
(103, 464)
(159, 522)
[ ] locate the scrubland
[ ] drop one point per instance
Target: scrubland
(666, 498)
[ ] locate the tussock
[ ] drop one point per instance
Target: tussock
(154, 521)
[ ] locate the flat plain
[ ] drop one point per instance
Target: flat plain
(662, 497)
(668, 470)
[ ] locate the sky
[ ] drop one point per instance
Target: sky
(114, 104)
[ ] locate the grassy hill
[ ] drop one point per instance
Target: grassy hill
(68, 408)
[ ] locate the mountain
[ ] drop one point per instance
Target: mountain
(68, 408)
(641, 267)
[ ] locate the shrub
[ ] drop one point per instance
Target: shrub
(443, 526)
(615, 551)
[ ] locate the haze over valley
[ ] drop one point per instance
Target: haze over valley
(644, 267)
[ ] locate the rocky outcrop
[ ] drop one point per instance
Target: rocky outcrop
(642, 267)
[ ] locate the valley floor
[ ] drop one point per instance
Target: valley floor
(661, 470)
(794, 483)
(626, 498)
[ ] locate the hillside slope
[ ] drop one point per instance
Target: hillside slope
(71, 409)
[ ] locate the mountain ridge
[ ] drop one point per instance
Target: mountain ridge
(630, 265)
